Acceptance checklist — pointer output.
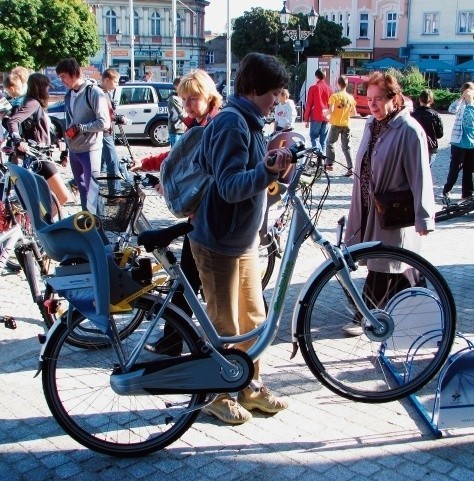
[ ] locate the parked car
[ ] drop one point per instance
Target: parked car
(144, 103)
(356, 87)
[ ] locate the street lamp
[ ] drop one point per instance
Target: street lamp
(298, 36)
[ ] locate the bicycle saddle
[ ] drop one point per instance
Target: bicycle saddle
(161, 238)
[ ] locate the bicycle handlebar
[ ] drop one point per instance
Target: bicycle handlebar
(298, 150)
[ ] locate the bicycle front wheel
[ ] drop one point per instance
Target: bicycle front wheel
(77, 388)
(415, 308)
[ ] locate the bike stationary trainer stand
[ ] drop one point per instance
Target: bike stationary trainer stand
(454, 398)
(453, 405)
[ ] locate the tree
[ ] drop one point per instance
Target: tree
(39, 33)
(261, 31)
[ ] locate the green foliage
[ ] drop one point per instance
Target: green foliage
(39, 33)
(412, 82)
(260, 31)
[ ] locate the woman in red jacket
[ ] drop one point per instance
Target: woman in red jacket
(202, 102)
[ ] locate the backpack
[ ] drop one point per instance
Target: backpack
(183, 179)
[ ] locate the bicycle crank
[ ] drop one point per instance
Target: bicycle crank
(188, 374)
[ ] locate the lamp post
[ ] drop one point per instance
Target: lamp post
(297, 36)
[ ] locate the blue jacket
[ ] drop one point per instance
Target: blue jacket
(232, 150)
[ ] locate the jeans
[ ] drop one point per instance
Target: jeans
(345, 134)
(461, 159)
(233, 290)
(85, 165)
(110, 158)
(318, 132)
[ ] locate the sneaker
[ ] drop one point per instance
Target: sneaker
(170, 345)
(262, 400)
(352, 329)
(329, 167)
(227, 410)
(349, 173)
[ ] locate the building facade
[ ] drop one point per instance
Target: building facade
(153, 36)
(408, 31)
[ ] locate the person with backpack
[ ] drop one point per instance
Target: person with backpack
(176, 126)
(431, 122)
(225, 239)
(31, 122)
(87, 116)
(201, 103)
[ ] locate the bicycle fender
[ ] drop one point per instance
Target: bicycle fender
(44, 344)
(318, 272)
(193, 374)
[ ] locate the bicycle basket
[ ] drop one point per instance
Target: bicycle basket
(117, 203)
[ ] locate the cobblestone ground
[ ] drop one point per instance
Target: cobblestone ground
(320, 436)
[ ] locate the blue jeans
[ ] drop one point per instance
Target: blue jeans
(461, 159)
(84, 165)
(318, 132)
(110, 158)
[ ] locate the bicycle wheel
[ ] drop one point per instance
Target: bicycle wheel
(452, 211)
(417, 308)
(85, 334)
(267, 256)
(77, 388)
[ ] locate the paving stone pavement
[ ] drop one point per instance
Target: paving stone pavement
(321, 436)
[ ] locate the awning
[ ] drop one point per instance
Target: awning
(465, 67)
(432, 65)
(384, 64)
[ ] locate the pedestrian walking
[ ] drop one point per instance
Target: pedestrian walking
(462, 143)
(342, 107)
(431, 122)
(315, 111)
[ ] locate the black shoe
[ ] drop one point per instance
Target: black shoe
(169, 346)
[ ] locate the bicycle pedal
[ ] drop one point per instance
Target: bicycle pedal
(9, 322)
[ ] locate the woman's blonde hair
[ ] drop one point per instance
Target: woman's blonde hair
(284, 93)
(198, 82)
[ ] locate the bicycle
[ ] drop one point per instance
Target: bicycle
(455, 209)
(122, 401)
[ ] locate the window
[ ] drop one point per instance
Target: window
(431, 23)
(179, 32)
(136, 23)
(180, 67)
(155, 21)
(110, 22)
(391, 31)
(209, 57)
(466, 22)
(364, 25)
(348, 25)
(333, 18)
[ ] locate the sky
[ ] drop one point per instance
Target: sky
(216, 12)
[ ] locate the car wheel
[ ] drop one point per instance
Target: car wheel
(159, 134)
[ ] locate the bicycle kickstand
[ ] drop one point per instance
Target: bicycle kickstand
(8, 321)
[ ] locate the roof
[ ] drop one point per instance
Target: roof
(384, 64)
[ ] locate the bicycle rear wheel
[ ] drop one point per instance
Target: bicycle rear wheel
(77, 388)
(417, 307)
(267, 257)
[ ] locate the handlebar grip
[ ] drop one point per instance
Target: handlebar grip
(295, 149)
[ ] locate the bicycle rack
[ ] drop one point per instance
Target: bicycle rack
(453, 404)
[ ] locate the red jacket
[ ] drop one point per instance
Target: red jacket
(153, 162)
(318, 100)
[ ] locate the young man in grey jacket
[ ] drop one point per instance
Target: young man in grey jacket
(87, 116)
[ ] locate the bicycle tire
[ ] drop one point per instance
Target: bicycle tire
(452, 211)
(267, 256)
(375, 371)
(77, 388)
(12, 263)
